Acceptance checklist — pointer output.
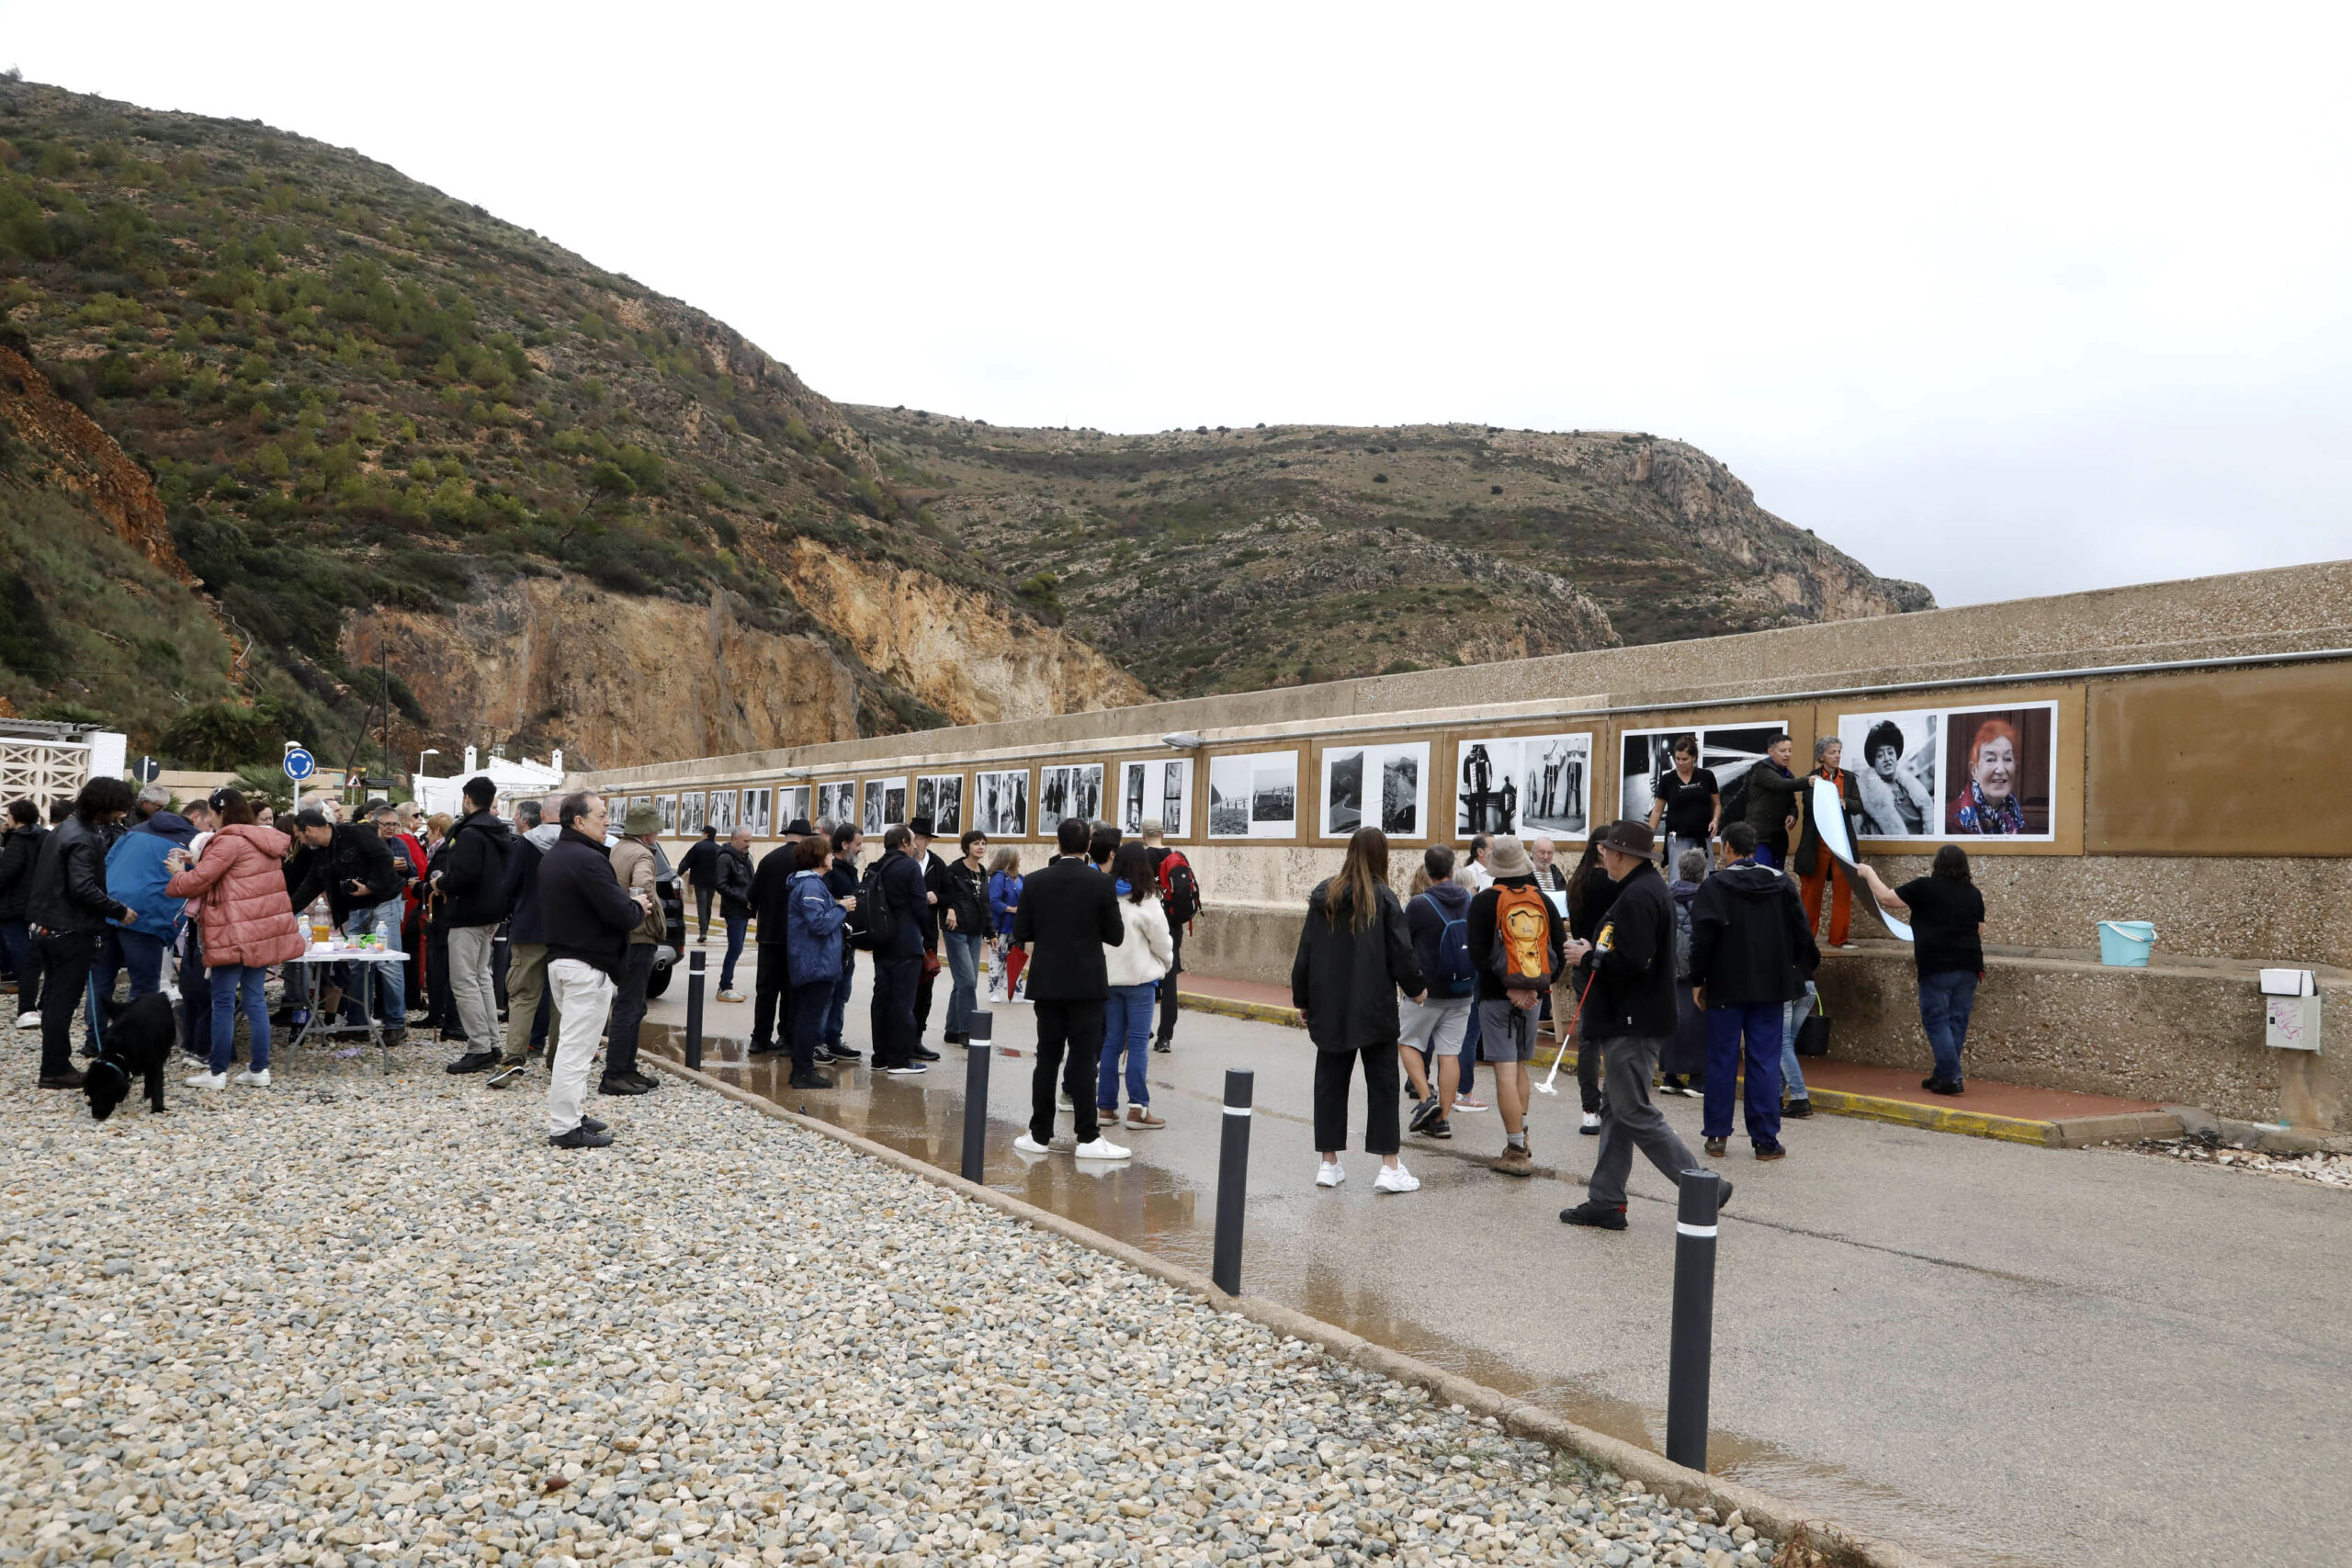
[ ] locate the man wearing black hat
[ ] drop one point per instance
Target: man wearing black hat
(1630, 1007)
(771, 910)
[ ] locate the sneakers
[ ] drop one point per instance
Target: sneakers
(1591, 1126)
(1102, 1148)
(1800, 1108)
(844, 1053)
(1441, 1128)
(642, 1081)
(204, 1080)
(1162, 1047)
(1716, 1147)
(1468, 1103)
(256, 1076)
(1773, 1152)
(731, 995)
(924, 1053)
(507, 1073)
(1395, 1178)
(765, 1048)
(593, 1125)
(1029, 1146)
(619, 1084)
(1674, 1083)
(1141, 1116)
(579, 1138)
(396, 1035)
(1330, 1175)
(1514, 1162)
(473, 1061)
(1423, 1114)
(1942, 1085)
(811, 1079)
(28, 1021)
(1597, 1216)
(906, 1070)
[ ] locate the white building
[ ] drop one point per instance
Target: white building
(517, 779)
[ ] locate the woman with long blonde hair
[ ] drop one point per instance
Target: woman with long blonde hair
(1354, 957)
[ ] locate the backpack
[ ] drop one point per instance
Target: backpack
(1179, 887)
(1523, 941)
(872, 925)
(1457, 975)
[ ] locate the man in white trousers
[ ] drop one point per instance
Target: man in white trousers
(587, 916)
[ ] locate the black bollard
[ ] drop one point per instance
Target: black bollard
(694, 1011)
(979, 1045)
(1693, 1347)
(1233, 1179)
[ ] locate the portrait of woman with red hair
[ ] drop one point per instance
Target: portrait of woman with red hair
(1999, 779)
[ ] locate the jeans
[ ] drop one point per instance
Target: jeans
(17, 941)
(804, 1021)
(1075, 1028)
(629, 1010)
(1633, 1123)
(236, 985)
(141, 955)
(1678, 842)
(839, 1011)
(1945, 1001)
(64, 959)
(964, 963)
(1758, 1023)
(584, 995)
(391, 992)
(1334, 1072)
(1792, 1017)
(470, 988)
(736, 926)
(1126, 1032)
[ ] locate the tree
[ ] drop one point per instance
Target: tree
(215, 736)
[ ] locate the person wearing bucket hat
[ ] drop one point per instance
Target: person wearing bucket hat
(1631, 1011)
(1517, 944)
(638, 868)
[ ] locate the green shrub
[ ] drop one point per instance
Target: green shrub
(219, 735)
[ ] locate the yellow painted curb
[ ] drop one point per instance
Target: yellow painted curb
(1935, 1118)
(1234, 1007)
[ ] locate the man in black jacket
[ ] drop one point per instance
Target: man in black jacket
(700, 868)
(1751, 947)
(471, 880)
(587, 917)
(529, 1003)
(1630, 1011)
(770, 907)
(19, 850)
(1507, 1015)
(1068, 914)
(897, 897)
(732, 877)
(352, 866)
(1773, 796)
(66, 910)
(934, 891)
(842, 882)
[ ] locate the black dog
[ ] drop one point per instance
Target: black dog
(138, 1043)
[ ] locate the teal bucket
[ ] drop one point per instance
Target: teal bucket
(2125, 945)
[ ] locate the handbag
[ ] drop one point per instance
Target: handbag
(930, 964)
(1813, 1034)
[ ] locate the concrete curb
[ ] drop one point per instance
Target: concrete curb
(2070, 1133)
(1684, 1487)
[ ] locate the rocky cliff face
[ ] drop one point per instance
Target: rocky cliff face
(73, 453)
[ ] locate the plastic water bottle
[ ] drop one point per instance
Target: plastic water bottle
(321, 921)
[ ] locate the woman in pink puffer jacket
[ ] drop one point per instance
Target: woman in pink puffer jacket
(238, 893)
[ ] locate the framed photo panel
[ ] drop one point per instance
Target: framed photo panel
(837, 802)
(756, 803)
(1726, 749)
(690, 813)
(1524, 784)
(1157, 790)
(1384, 786)
(791, 805)
(1254, 795)
(885, 805)
(1066, 790)
(722, 811)
(667, 807)
(1000, 802)
(940, 796)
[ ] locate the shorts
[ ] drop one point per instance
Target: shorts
(1435, 1028)
(1506, 1032)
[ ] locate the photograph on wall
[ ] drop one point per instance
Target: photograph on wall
(666, 807)
(755, 811)
(1000, 802)
(634, 802)
(1525, 784)
(885, 805)
(1254, 796)
(722, 811)
(1155, 792)
(2000, 772)
(1727, 751)
(1376, 786)
(791, 805)
(1893, 759)
(940, 796)
(837, 803)
(1067, 790)
(690, 809)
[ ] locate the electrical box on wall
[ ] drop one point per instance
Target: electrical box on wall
(2290, 1003)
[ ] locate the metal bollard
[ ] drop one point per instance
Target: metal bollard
(1692, 1345)
(1233, 1179)
(979, 1045)
(694, 1010)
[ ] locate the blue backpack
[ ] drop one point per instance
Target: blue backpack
(1455, 977)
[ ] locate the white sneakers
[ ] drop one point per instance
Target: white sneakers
(1101, 1148)
(259, 1079)
(1395, 1178)
(28, 1021)
(209, 1080)
(1591, 1122)
(1330, 1175)
(1029, 1146)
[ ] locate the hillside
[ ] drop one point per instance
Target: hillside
(381, 423)
(1216, 560)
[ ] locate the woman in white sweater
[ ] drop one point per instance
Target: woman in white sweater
(1136, 966)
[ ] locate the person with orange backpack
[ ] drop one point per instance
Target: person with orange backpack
(1179, 896)
(1517, 943)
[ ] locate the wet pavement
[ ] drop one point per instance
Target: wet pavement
(1978, 1350)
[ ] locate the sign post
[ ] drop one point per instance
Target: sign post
(299, 764)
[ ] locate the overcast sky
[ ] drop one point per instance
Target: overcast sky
(2008, 300)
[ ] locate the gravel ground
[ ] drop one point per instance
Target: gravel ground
(353, 1320)
(2325, 1168)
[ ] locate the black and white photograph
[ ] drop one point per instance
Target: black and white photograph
(1727, 751)
(1380, 787)
(791, 805)
(885, 805)
(1254, 796)
(1000, 802)
(634, 802)
(757, 803)
(940, 796)
(666, 807)
(1523, 784)
(1155, 792)
(1893, 759)
(722, 811)
(1067, 790)
(690, 813)
(837, 803)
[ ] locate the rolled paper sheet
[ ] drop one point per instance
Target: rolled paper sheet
(1829, 821)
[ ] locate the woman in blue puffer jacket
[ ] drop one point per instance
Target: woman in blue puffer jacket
(812, 936)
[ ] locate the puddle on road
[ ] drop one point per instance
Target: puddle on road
(1169, 1217)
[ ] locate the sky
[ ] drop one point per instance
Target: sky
(2007, 299)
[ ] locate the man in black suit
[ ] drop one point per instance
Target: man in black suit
(1068, 914)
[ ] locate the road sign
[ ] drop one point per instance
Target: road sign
(300, 765)
(146, 770)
